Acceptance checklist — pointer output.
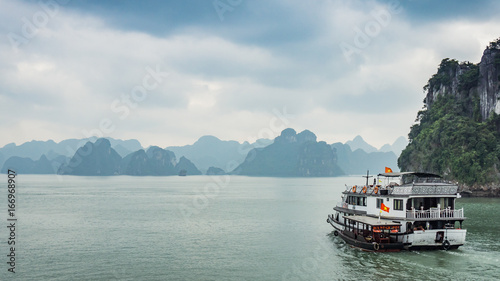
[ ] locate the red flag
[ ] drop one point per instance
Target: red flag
(388, 170)
(384, 208)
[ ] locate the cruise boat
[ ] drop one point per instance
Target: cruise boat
(400, 211)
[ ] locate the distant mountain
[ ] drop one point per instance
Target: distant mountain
(136, 164)
(359, 161)
(162, 161)
(291, 155)
(35, 149)
(214, 171)
(153, 162)
(396, 147)
(2, 159)
(156, 161)
(100, 159)
(210, 151)
(120, 149)
(94, 159)
(359, 143)
(186, 167)
(25, 165)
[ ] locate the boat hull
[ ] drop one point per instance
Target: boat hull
(418, 240)
(372, 247)
(426, 240)
(359, 243)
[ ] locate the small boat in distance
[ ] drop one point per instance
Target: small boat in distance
(418, 214)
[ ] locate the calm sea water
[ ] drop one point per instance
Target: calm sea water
(215, 228)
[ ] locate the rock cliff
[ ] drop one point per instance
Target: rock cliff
(186, 167)
(457, 134)
(291, 155)
(93, 159)
(467, 81)
(100, 159)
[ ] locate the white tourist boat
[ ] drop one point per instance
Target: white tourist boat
(416, 212)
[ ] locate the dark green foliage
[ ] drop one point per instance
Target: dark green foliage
(446, 70)
(494, 44)
(469, 78)
(497, 64)
(447, 141)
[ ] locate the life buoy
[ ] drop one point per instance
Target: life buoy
(375, 189)
(364, 189)
(354, 189)
(376, 246)
(446, 244)
(336, 233)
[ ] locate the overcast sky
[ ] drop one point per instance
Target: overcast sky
(169, 72)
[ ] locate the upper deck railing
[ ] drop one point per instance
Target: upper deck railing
(435, 213)
(424, 188)
(427, 180)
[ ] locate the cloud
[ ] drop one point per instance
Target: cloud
(225, 78)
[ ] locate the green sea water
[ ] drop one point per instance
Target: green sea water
(214, 228)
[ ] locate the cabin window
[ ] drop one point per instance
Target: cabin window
(364, 201)
(398, 204)
(379, 203)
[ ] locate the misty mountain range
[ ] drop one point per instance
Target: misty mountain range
(290, 154)
(359, 143)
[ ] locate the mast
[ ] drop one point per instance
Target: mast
(367, 177)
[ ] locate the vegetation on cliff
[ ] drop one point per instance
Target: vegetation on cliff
(448, 142)
(451, 137)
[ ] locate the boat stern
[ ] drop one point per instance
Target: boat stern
(437, 239)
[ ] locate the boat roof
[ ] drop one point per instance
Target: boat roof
(371, 220)
(418, 174)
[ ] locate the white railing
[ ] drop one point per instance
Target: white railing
(435, 213)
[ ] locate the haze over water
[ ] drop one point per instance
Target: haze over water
(140, 228)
